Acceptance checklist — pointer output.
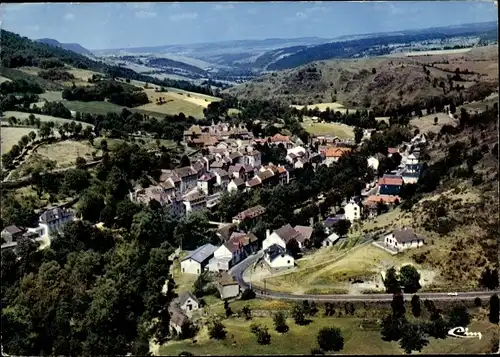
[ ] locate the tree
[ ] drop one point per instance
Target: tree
(413, 338)
(342, 227)
(32, 136)
(318, 235)
(80, 162)
(185, 161)
(247, 312)
(330, 339)
(459, 317)
(437, 327)
(477, 302)
(436, 120)
(293, 247)
(398, 305)
(299, 315)
(358, 134)
(494, 314)
(489, 278)
(263, 336)
(409, 279)
(227, 309)
(280, 322)
(247, 294)
(416, 309)
(104, 145)
(25, 140)
(391, 281)
(217, 331)
(392, 327)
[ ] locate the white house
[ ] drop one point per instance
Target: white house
(277, 258)
(352, 211)
(330, 240)
(198, 259)
(234, 250)
(412, 159)
(54, 220)
(188, 302)
(373, 162)
(402, 239)
(284, 235)
(236, 184)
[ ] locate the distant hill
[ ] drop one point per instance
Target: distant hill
(378, 44)
(75, 47)
(383, 82)
(18, 51)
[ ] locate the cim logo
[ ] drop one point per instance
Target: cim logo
(462, 332)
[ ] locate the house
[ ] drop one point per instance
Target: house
(194, 202)
(177, 320)
(248, 214)
(236, 184)
(237, 171)
(352, 210)
(224, 232)
(373, 162)
(277, 258)
(281, 139)
(253, 158)
(198, 259)
(402, 239)
(330, 222)
(371, 203)
(11, 234)
(285, 234)
(253, 183)
(411, 174)
(222, 178)
(333, 154)
(390, 185)
(413, 158)
(54, 220)
(227, 286)
(206, 183)
(188, 302)
(330, 240)
(234, 250)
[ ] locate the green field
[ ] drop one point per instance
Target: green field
(301, 339)
(333, 129)
(11, 135)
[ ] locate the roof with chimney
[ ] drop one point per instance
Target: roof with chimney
(238, 240)
(406, 235)
(287, 233)
(250, 213)
(54, 214)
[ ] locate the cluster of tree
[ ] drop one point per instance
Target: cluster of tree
(50, 63)
(262, 334)
(118, 93)
(56, 75)
(20, 86)
(413, 336)
(89, 293)
(407, 280)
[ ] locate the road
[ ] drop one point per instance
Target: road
(237, 272)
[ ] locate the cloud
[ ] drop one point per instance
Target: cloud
(311, 10)
(69, 16)
(145, 14)
(252, 11)
(221, 7)
(175, 5)
(299, 16)
(184, 16)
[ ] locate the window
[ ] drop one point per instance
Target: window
(288, 262)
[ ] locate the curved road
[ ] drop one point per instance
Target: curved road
(239, 269)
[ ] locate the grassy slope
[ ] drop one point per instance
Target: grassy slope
(355, 88)
(21, 115)
(11, 136)
(301, 339)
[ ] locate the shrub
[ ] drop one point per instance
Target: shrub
(330, 339)
(280, 323)
(248, 294)
(217, 331)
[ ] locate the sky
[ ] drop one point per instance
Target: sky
(124, 25)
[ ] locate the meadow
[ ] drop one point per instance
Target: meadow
(43, 118)
(11, 135)
(334, 129)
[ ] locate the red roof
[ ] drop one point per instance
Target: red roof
(279, 137)
(387, 199)
(398, 181)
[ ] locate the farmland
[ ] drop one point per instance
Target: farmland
(426, 123)
(337, 107)
(66, 152)
(11, 136)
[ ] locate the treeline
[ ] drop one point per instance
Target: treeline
(20, 51)
(117, 93)
(20, 86)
